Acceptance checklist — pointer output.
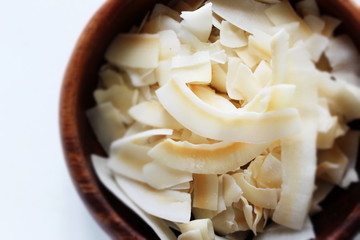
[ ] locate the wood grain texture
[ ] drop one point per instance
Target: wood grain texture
(340, 218)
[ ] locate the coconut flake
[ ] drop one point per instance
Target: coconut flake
(134, 50)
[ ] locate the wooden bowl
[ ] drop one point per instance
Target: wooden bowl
(341, 216)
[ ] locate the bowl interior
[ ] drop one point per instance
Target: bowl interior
(341, 214)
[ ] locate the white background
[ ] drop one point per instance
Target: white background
(37, 199)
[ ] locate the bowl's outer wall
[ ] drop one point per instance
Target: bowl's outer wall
(341, 215)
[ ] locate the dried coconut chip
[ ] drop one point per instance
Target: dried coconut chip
(204, 225)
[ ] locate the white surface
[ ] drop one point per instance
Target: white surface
(37, 199)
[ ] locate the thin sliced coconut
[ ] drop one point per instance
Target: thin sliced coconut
(231, 190)
(316, 44)
(192, 69)
(110, 77)
(275, 97)
(161, 9)
(129, 155)
(121, 96)
(199, 22)
(263, 74)
(224, 223)
(104, 174)
(209, 96)
(141, 77)
(278, 232)
(206, 190)
(204, 225)
(170, 205)
(298, 153)
(279, 48)
(161, 23)
(134, 50)
(191, 235)
(107, 124)
(218, 80)
(153, 114)
(332, 164)
(249, 59)
(316, 24)
(169, 44)
(269, 1)
(327, 126)
(231, 36)
(182, 186)
(259, 45)
(206, 121)
(240, 81)
(283, 13)
(306, 7)
(247, 15)
(213, 158)
(163, 72)
(160, 177)
(331, 24)
(349, 144)
(261, 197)
(322, 190)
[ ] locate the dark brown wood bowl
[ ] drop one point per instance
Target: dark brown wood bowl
(341, 216)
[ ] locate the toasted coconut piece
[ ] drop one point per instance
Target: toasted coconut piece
(204, 225)
(331, 24)
(231, 190)
(121, 96)
(205, 158)
(107, 124)
(279, 48)
(209, 96)
(272, 98)
(247, 15)
(306, 7)
(259, 45)
(206, 190)
(159, 226)
(153, 114)
(161, 9)
(141, 77)
(163, 72)
(231, 36)
(316, 44)
(225, 223)
(316, 24)
(218, 80)
(283, 13)
(349, 145)
(134, 50)
(248, 58)
(161, 23)
(262, 197)
(160, 177)
(192, 69)
(199, 22)
(170, 205)
(263, 74)
(129, 155)
(240, 81)
(169, 44)
(191, 235)
(332, 164)
(209, 122)
(110, 77)
(278, 232)
(298, 153)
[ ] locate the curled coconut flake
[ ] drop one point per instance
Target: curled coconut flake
(204, 225)
(213, 158)
(241, 126)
